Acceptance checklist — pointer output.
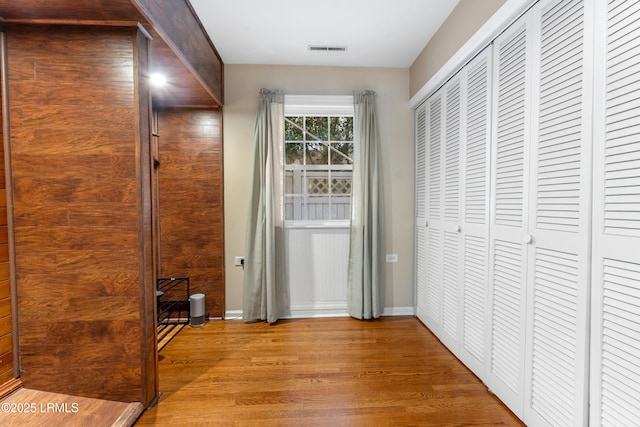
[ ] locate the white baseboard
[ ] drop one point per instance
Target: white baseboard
(233, 315)
(320, 309)
(309, 312)
(399, 311)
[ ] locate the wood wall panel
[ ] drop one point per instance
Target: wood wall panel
(143, 169)
(78, 156)
(6, 333)
(191, 201)
(104, 10)
(180, 48)
(173, 18)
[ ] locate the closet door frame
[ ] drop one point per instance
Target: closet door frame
(420, 244)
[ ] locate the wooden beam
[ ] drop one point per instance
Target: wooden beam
(172, 19)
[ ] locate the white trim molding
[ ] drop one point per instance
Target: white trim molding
(233, 315)
(399, 311)
(338, 105)
(314, 312)
(508, 13)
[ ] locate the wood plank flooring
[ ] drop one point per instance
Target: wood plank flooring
(167, 332)
(318, 372)
(34, 408)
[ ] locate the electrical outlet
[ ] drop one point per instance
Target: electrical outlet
(239, 261)
(392, 257)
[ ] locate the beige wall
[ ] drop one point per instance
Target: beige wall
(242, 83)
(465, 19)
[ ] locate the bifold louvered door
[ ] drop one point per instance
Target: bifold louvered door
(540, 229)
(451, 314)
(556, 350)
(509, 213)
(434, 223)
(615, 314)
(534, 166)
(474, 211)
(421, 211)
(452, 129)
(444, 153)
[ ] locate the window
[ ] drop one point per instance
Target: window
(318, 161)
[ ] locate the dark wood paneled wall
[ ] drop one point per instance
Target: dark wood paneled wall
(82, 209)
(146, 264)
(6, 333)
(191, 201)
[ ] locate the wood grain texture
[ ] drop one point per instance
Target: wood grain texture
(173, 18)
(49, 409)
(319, 372)
(191, 201)
(6, 332)
(183, 88)
(147, 296)
(87, 335)
(80, 167)
(99, 10)
(180, 48)
(9, 387)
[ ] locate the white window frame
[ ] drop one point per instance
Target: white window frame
(318, 105)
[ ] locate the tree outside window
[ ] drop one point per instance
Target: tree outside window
(319, 167)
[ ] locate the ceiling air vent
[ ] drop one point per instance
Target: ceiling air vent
(315, 48)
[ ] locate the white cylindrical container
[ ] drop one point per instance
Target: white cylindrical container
(197, 309)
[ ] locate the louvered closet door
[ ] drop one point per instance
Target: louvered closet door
(559, 221)
(509, 208)
(434, 223)
(474, 213)
(421, 211)
(452, 221)
(615, 315)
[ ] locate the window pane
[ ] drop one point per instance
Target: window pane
(315, 189)
(318, 208)
(341, 186)
(341, 207)
(288, 182)
(317, 153)
(317, 126)
(341, 153)
(291, 131)
(293, 208)
(342, 128)
(317, 185)
(294, 153)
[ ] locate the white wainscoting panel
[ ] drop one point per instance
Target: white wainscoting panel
(317, 260)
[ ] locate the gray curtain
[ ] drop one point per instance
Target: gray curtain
(265, 294)
(366, 272)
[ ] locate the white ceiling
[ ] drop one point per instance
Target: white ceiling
(377, 33)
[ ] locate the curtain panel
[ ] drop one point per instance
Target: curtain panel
(366, 271)
(265, 292)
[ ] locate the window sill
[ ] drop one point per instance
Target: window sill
(317, 224)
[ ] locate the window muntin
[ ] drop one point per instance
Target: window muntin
(318, 167)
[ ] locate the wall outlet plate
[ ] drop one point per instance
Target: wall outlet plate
(392, 257)
(238, 261)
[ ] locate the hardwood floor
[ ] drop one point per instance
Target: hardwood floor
(34, 408)
(318, 372)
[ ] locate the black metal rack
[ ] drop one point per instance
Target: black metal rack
(172, 300)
